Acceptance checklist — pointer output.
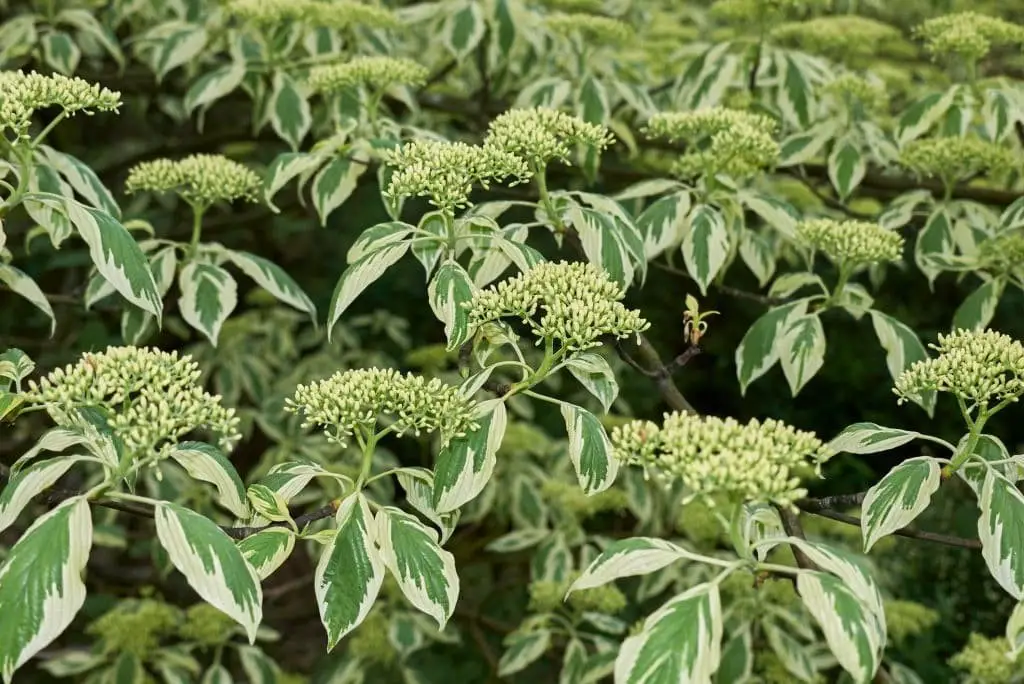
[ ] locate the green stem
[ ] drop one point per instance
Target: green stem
(197, 229)
(540, 174)
(49, 127)
(837, 291)
(368, 445)
(24, 173)
(972, 442)
(550, 358)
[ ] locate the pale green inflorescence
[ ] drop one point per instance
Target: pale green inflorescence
(590, 28)
(729, 141)
(757, 461)
(200, 179)
(975, 366)
(870, 94)
(760, 13)
(358, 398)
(851, 242)
(445, 172)
(1002, 254)
(578, 303)
(985, 660)
(540, 134)
(208, 626)
(838, 36)
(906, 618)
(135, 626)
(967, 34)
(325, 13)
(150, 398)
(22, 94)
(954, 159)
(375, 72)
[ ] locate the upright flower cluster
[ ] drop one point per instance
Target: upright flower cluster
(967, 34)
(976, 366)
(337, 14)
(445, 172)
(838, 36)
(149, 397)
(200, 179)
(729, 141)
(378, 73)
(574, 304)
(759, 12)
(358, 398)
(870, 94)
(1002, 254)
(953, 159)
(21, 95)
(851, 242)
(590, 28)
(758, 461)
(540, 134)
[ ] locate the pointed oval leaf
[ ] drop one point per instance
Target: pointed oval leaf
(268, 549)
(465, 465)
(206, 462)
(358, 276)
(628, 558)
(208, 296)
(846, 168)
(898, 498)
(273, 279)
(290, 115)
(590, 450)
(802, 351)
(22, 285)
(758, 350)
(29, 482)
(902, 348)
(843, 620)
(706, 245)
(449, 289)
(522, 649)
(976, 312)
(662, 223)
(1001, 529)
(594, 373)
(334, 184)
(214, 85)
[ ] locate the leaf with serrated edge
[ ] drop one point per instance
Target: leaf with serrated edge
(590, 450)
(465, 465)
(898, 498)
(870, 438)
(211, 563)
(350, 571)
(628, 558)
(41, 586)
(358, 276)
(1001, 528)
(848, 631)
(267, 549)
(424, 571)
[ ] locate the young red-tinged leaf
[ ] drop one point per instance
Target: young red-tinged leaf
(350, 571)
(843, 619)
(208, 296)
(268, 549)
(898, 498)
(466, 464)
(628, 558)
(759, 348)
(211, 563)
(680, 642)
(41, 588)
(590, 450)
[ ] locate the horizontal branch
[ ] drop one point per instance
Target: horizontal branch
(946, 539)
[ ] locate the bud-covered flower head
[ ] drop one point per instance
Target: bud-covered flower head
(378, 73)
(135, 626)
(21, 95)
(589, 28)
(445, 172)
(987, 661)
(359, 398)
(967, 34)
(838, 37)
(540, 134)
(207, 626)
(574, 304)
(975, 366)
(758, 461)
(200, 179)
(760, 12)
(336, 14)
(851, 242)
(851, 88)
(729, 141)
(149, 397)
(952, 159)
(1002, 254)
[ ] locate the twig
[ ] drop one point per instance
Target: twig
(948, 540)
(825, 503)
(725, 289)
(652, 367)
(791, 524)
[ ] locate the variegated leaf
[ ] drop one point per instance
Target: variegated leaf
(845, 623)
(26, 483)
(594, 373)
(273, 279)
(208, 296)
(898, 498)
(1001, 529)
(465, 465)
(206, 462)
(359, 275)
(590, 450)
(450, 288)
(802, 351)
(706, 245)
(870, 438)
(628, 558)
(268, 549)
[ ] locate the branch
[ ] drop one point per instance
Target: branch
(652, 367)
(948, 540)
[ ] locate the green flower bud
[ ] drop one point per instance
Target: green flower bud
(200, 179)
(760, 12)
(985, 660)
(378, 73)
(149, 397)
(546, 596)
(851, 88)
(953, 159)
(23, 94)
(696, 520)
(729, 141)
(1002, 254)
(851, 242)
(967, 34)
(337, 14)
(207, 626)
(590, 29)
(906, 618)
(135, 627)
(539, 134)
(574, 501)
(574, 304)
(839, 37)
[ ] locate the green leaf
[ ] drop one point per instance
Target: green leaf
(208, 296)
(216, 674)
(594, 373)
(266, 550)
(424, 571)
(1013, 216)
(206, 462)
(465, 465)
(663, 222)
(127, 669)
(290, 115)
(789, 283)
(793, 655)
(552, 561)
(795, 94)
(902, 350)
(706, 245)
(804, 145)
(528, 508)
(15, 366)
(550, 91)
(334, 183)
(934, 244)
(593, 106)
(84, 21)
(923, 114)
(590, 450)
(870, 438)
(214, 85)
(211, 563)
(61, 52)
(463, 29)
(267, 503)
(603, 243)
(1001, 530)
(286, 167)
(775, 212)
(418, 484)
(843, 620)
(273, 279)
(680, 642)
(628, 558)
(450, 288)
(22, 285)
(378, 237)
(178, 48)
(737, 663)
(350, 571)
(758, 350)
(802, 351)
(29, 482)
(358, 276)
(757, 253)
(901, 210)
(83, 179)
(41, 588)
(898, 498)
(1015, 631)
(976, 312)
(517, 540)
(846, 168)
(291, 477)
(523, 649)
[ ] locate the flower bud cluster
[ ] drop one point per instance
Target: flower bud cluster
(870, 94)
(378, 73)
(22, 94)
(906, 618)
(985, 660)
(590, 28)
(590, 6)
(724, 140)
(200, 179)
(135, 626)
(206, 625)
(975, 366)
(149, 396)
(759, 12)
(445, 172)
(540, 134)
(578, 303)
(358, 398)
(574, 501)
(1002, 254)
(326, 13)
(954, 159)
(758, 461)
(967, 34)
(838, 36)
(547, 596)
(851, 242)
